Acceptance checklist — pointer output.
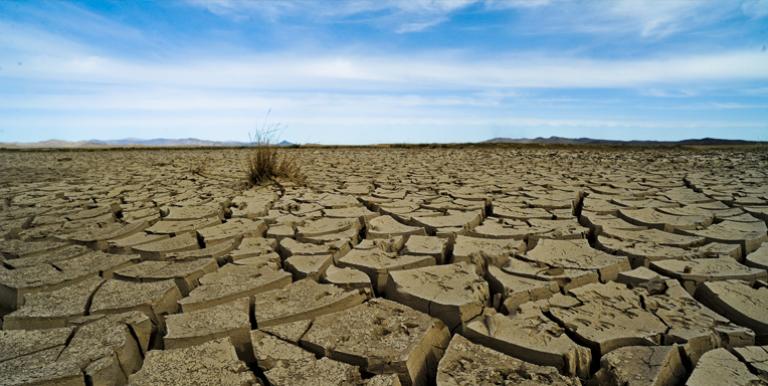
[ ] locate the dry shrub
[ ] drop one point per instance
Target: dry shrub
(267, 163)
(199, 167)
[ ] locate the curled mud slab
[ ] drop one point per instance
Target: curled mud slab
(390, 266)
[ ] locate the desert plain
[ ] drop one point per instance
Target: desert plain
(388, 266)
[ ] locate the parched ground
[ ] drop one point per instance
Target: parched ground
(453, 266)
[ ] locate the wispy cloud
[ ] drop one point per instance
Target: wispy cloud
(383, 86)
(756, 9)
(386, 72)
(402, 16)
(655, 19)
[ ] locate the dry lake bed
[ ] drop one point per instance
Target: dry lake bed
(391, 266)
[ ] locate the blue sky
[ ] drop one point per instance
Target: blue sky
(372, 71)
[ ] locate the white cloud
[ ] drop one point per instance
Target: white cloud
(439, 91)
(308, 72)
(506, 4)
(402, 16)
(755, 9)
(384, 94)
(657, 18)
(648, 19)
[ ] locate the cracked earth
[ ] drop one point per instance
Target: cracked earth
(390, 267)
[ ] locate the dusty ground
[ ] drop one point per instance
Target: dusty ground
(394, 266)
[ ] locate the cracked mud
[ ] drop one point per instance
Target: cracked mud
(496, 266)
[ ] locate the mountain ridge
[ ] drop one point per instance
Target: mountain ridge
(553, 140)
(133, 142)
(195, 142)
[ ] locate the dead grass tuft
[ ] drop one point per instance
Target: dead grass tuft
(268, 163)
(199, 167)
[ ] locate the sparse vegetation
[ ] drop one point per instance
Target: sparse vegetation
(269, 163)
(199, 167)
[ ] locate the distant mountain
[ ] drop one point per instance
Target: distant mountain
(591, 141)
(194, 142)
(133, 142)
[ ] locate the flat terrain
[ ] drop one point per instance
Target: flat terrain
(454, 266)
